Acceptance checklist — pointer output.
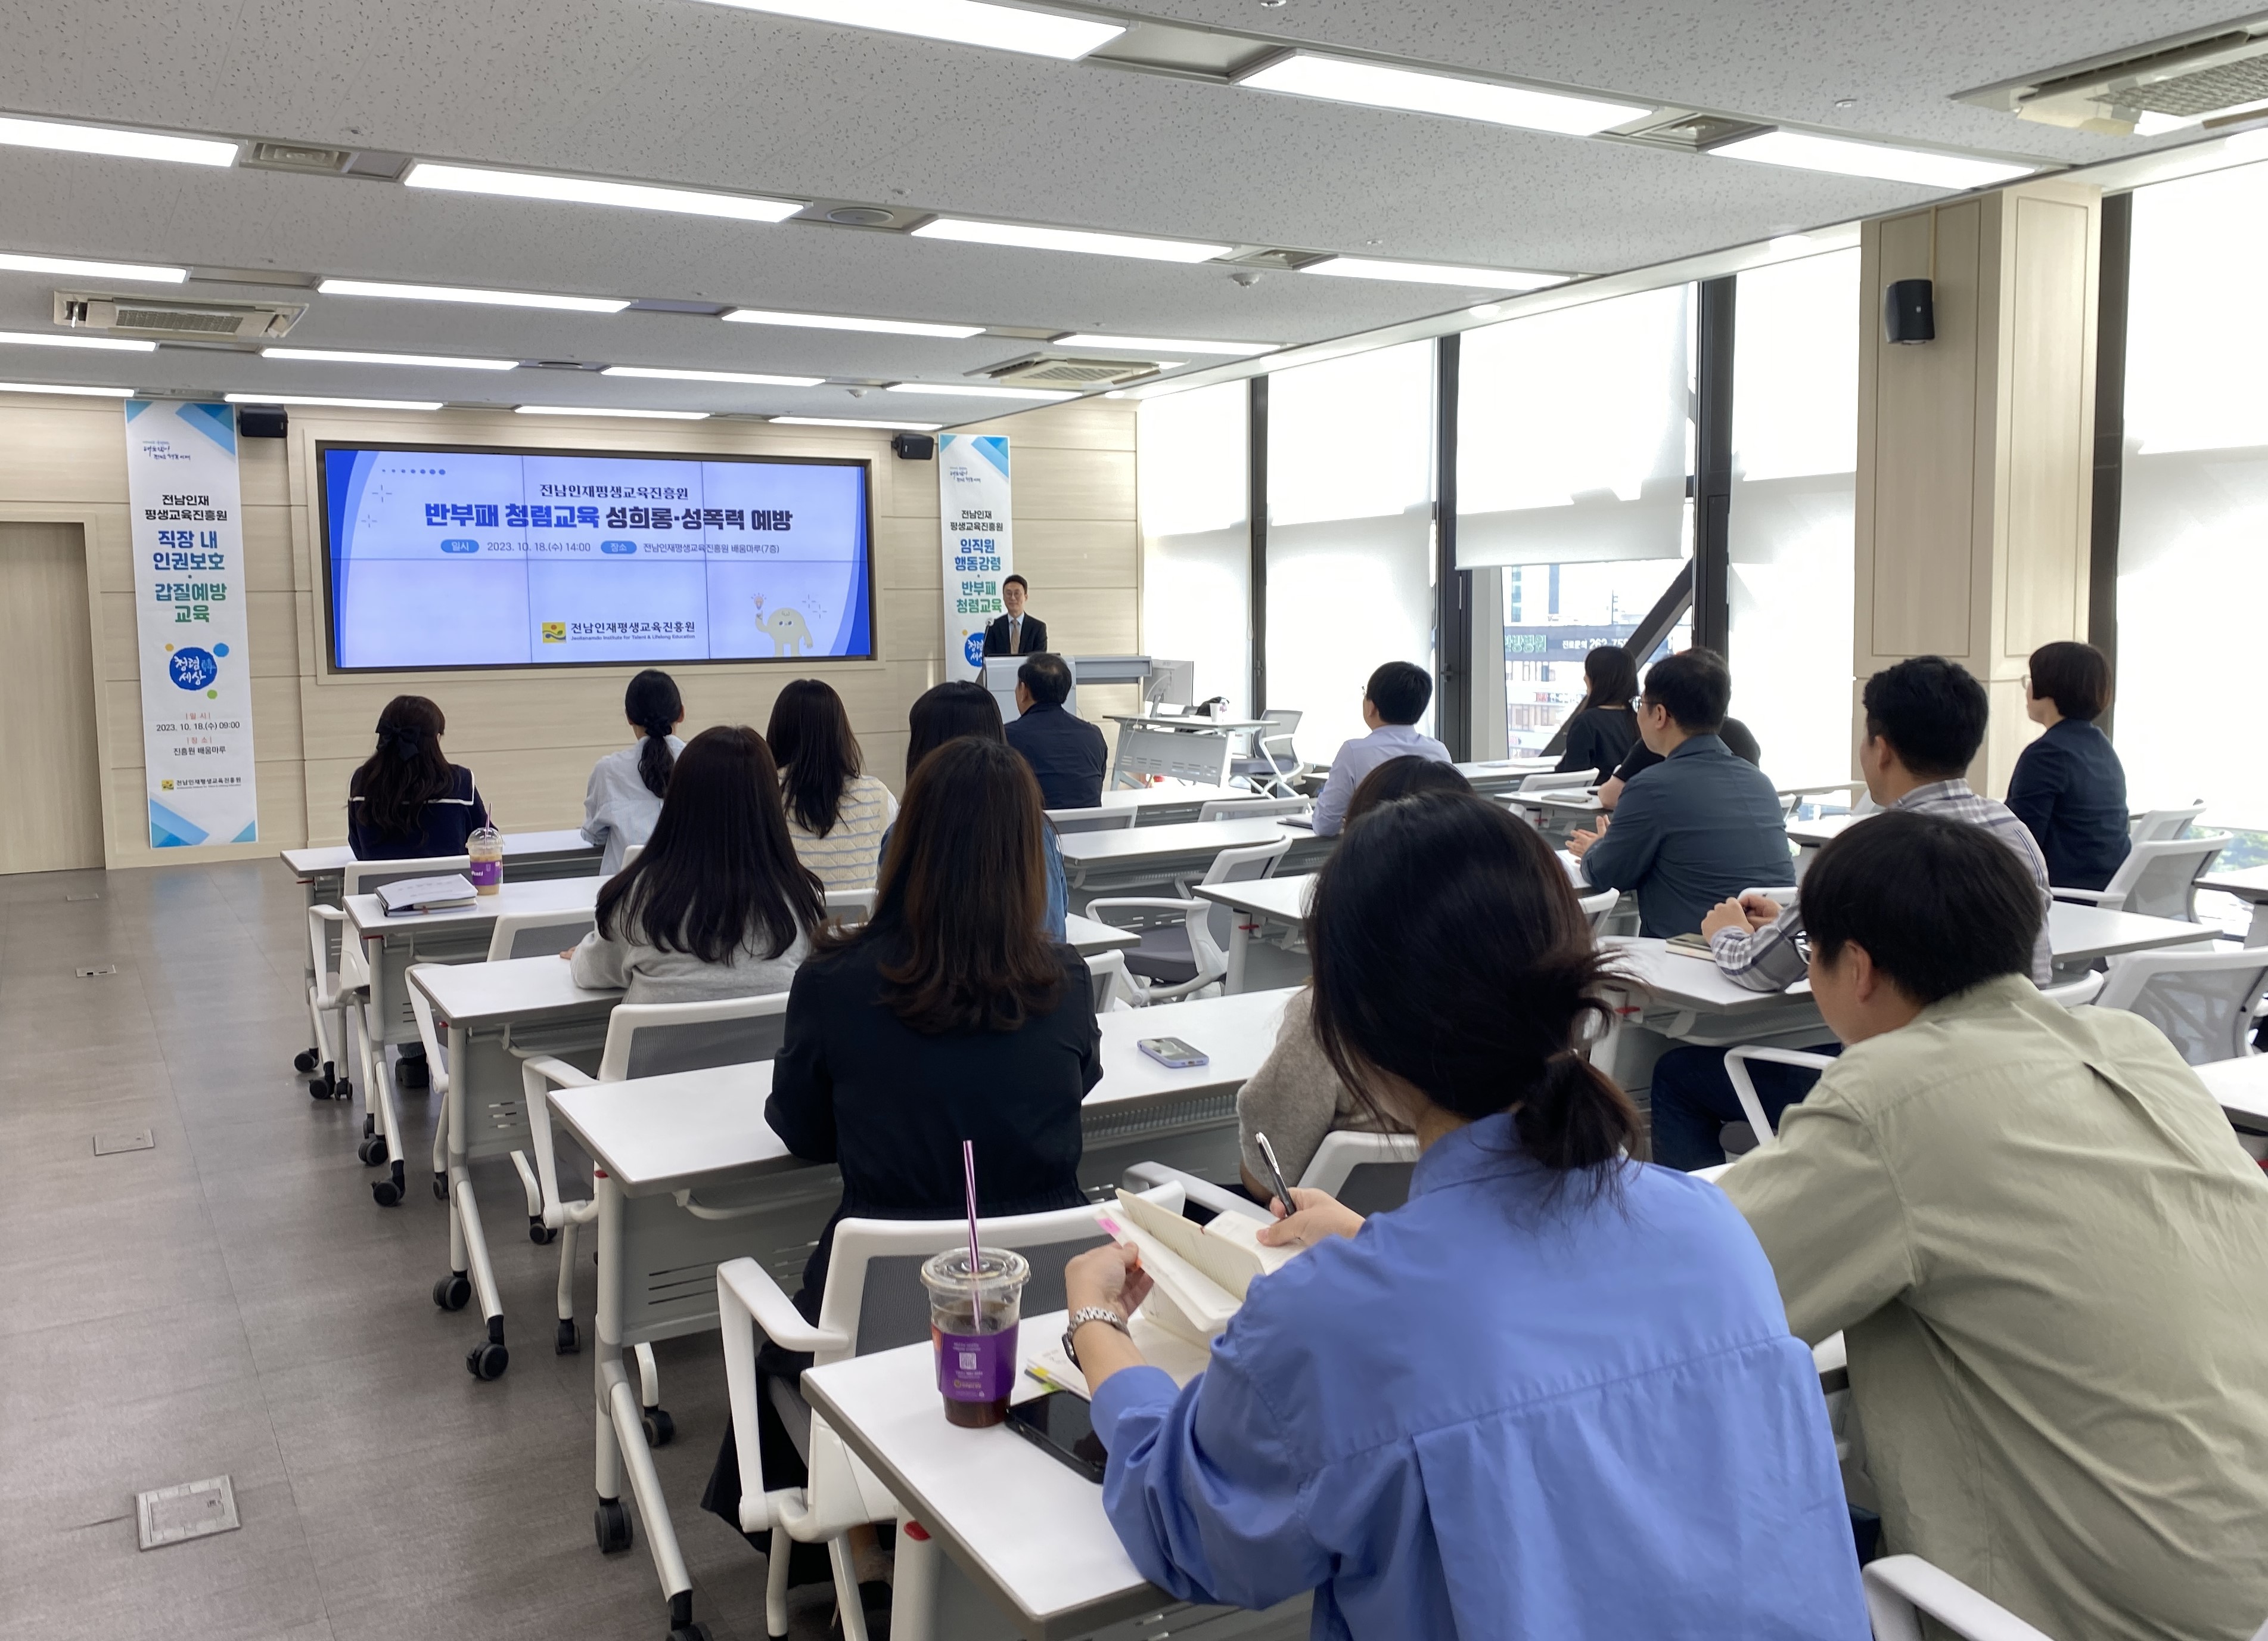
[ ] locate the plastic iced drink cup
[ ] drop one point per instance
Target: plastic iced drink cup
(485, 848)
(972, 1323)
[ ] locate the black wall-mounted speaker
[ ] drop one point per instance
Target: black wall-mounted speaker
(1909, 311)
(257, 424)
(914, 446)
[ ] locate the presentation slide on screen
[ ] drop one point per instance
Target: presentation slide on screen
(487, 559)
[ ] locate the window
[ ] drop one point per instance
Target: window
(1350, 533)
(1574, 436)
(1197, 544)
(1795, 442)
(2192, 570)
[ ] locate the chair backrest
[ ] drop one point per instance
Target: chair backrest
(1095, 819)
(1781, 895)
(630, 853)
(1368, 1172)
(1550, 783)
(874, 1295)
(1599, 908)
(2202, 1001)
(2160, 825)
(364, 875)
(653, 1040)
(1249, 863)
(1251, 809)
(538, 934)
(2160, 879)
(851, 906)
(2071, 993)
(1106, 971)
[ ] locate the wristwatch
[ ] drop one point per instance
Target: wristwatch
(1079, 1319)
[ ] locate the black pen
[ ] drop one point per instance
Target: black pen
(1275, 1173)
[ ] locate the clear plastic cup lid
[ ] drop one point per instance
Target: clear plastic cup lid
(999, 1272)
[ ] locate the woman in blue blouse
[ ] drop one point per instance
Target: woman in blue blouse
(1554, 1395)
(2068, 785)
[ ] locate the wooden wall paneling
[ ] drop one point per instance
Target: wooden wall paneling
(51, 802)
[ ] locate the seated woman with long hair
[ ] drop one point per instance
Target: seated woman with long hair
(622, 799)
(717, 904)
(408, 802)
(1553, 1396)
(946, 711)
(837, 815)
(949, 1016)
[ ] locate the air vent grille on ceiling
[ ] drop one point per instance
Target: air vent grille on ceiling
(1053, 369)
(297, 156)
(1692, 132)
(2184, 79)
(185, 321)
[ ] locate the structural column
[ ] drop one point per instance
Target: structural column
(1974, 450)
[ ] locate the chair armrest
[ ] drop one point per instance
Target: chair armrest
(745, 1288)
(1898, 1586)
(1147, 1177)
(320, 960)
(2093, 897)
(1744, 1088)
(537, 1076)
(745, 1297)
(429, 1032)
(1096, 908)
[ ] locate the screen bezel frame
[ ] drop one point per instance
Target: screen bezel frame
(872, 654)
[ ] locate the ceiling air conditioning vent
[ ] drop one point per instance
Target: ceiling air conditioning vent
(1053, 369)
(178, 321)
(303, 156)
(2150, 89)
(1691, 133)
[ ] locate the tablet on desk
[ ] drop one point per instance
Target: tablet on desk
(1300, 822)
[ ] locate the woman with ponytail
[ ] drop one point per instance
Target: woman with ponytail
(1553, 1396)
(408, 802)
(623, 800)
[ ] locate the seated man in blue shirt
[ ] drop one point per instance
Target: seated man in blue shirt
(1393, 701)
(1066, 753)
(1699, 826)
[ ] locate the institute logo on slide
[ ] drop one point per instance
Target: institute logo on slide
(555, 631)
(195, 668)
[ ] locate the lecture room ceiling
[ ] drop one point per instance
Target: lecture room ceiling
(701, 95)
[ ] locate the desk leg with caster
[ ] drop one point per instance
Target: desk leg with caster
(469, 1268)
(622, 1437)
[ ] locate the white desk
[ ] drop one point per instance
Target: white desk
(1161, 806)
(1808, 835)
(2242, 1088)
(1095, 862)
(1256, 908)
(677, 1152)
(2079, 935)
(2251, 884)
(1028, 1531)
(1503, 774)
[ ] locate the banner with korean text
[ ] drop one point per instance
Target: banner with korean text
(979, 540)
(187, 530)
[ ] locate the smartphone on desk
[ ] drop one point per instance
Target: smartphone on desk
(1063, 1425)
(1171, 1051)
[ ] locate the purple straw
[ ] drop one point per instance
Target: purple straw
(969, 1176)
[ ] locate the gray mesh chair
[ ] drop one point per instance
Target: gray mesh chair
(2158, 825)
(1274, 764)
(1184, 942)
(2155, 879)
(2202, 1001)
(1095, 819)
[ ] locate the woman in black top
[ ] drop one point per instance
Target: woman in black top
(408, 802)
(949, 1016)
(1603, 729)
(2068, 785)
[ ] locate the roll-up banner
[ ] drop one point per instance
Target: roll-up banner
(190, 622)
(973, 502)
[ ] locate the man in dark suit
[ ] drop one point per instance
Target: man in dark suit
(1066, 753)
(1015, 633)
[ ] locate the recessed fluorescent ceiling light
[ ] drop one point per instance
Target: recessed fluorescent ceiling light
(963, 22)
(1920, 166)
(351, 404)
(831, 321)
(1378, 85)
(22, 263)
(756, 378)
(959, 391)
(1022, 237)
(41, 387)
(1161, 344)
(600, 409)
(106, 140)
(850, 421)
(592, 191)
(1434, 273)
(455, 293)
(342, 356)
(73, 339)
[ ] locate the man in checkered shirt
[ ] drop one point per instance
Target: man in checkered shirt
(1924, 721)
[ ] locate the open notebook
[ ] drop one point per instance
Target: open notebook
(1199, 1276)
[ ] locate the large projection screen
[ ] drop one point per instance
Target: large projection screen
(452, 556)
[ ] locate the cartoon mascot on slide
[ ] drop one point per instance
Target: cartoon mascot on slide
(785, 625)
